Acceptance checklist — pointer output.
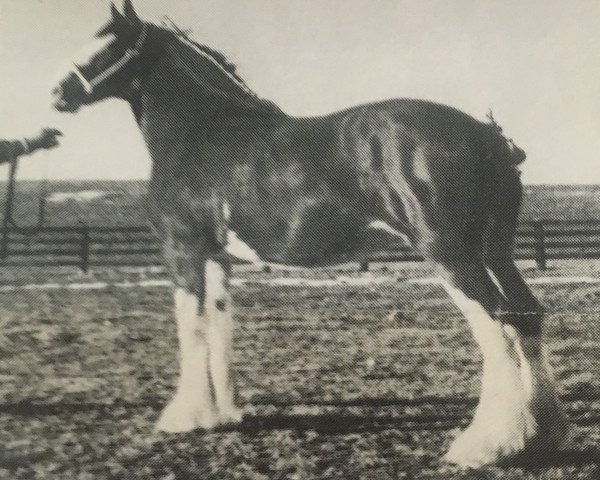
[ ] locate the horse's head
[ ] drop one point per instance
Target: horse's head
(108, 67)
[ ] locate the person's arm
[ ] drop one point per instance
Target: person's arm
(10, 149)
(47, 138)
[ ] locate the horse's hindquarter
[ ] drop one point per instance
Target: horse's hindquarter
(426, 167)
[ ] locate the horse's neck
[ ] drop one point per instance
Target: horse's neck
(170, 104)
(174, 111)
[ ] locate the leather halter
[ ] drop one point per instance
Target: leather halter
(130, 54)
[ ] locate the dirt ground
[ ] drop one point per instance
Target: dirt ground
(338, 380)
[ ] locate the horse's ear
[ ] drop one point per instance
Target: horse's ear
(130, 11)
(116, 15)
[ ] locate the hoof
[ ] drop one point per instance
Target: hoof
(470, 450)
(184, 416)
(481, 445)
(231, 416)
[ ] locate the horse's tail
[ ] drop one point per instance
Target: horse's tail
(499, 147)
(506, 191)
(516, 154)
(499, 238)
(503, 150)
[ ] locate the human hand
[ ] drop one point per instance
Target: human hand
(47, 138)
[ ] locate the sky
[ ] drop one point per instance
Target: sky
(535, 63)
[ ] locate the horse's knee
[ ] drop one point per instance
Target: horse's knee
(187, 303)
(216, 280)
(192, 326)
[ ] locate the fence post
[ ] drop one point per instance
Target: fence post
(540, 244)
(85, 249)
(5, 240)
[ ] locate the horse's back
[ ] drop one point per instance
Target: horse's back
(375, 137)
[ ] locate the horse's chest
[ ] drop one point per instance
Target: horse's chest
(188, 217)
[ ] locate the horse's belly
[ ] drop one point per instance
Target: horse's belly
(310, 249)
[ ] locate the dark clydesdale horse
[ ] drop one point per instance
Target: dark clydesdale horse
(231, 170)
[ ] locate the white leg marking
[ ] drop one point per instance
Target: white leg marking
(381, 225)
(192, 406)
(518, 408)
(218, 311)
(239, 249)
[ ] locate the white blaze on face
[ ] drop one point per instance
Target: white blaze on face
(87, 53)
(82, 57)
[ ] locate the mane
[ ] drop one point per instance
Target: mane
(218, 58)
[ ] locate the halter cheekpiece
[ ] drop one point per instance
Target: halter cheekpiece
(130, 54)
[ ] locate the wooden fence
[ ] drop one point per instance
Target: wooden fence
(81, 246)
(85, 246)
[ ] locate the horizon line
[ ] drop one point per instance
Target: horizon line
(105, 180)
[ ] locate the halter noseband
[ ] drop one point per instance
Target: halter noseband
(130, 54)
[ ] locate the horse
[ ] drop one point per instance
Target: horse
(233, 172)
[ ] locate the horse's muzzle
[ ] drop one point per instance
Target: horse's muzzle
(68, 95)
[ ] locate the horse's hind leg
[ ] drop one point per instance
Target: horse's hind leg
(507, 419)
(498, 248)
(524, 317)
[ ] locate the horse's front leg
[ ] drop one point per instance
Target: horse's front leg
(192, 405)
(219, 317)
(204, 396)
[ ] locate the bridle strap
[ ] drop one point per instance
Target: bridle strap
(128, 56)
